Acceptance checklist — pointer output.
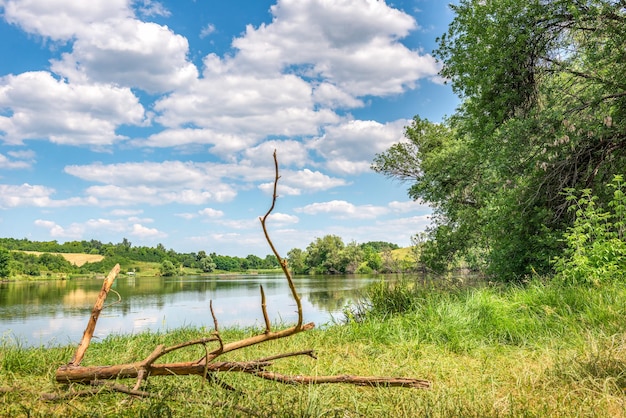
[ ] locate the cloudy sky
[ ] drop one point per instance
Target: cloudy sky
(156, 121)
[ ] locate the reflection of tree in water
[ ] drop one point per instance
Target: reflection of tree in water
(333, 300)
(328, 300)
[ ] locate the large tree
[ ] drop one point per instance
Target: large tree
(543, 88)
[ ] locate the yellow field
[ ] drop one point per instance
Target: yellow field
(405, 253)
(77, 259)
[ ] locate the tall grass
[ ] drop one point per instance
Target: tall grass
(535, 350)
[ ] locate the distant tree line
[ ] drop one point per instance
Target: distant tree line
(326, 255)
(14, 261)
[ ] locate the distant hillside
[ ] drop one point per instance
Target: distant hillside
(77, 259)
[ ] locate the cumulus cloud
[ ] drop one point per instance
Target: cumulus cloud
(246, 105)
(312, 180)
(343, 209)
(350, 147)
(211, 213)
(12, 196)
(303, 36)
(130, 53)
(43, 107)
(62, 20)
(74, 231)
(141, 231)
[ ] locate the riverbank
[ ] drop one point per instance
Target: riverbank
(541, 350)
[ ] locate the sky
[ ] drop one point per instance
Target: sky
(156, 121)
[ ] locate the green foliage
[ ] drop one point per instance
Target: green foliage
(296, 261)
(595, 245)
(543, 110)
(206, 264)
(323, 254)
(329, 255)
(4, 262)
(167, 268)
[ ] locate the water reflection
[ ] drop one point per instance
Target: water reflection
(56, 312)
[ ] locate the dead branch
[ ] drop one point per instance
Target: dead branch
(95, 313)
(207, 366)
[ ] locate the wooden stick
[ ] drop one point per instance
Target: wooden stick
(347, 379)
(95, 313)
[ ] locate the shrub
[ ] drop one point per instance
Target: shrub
(595, 250)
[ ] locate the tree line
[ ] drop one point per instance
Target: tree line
(325, 255)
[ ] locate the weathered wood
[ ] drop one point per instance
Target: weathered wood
(348, 379)
(93, 319)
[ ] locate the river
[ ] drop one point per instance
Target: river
(50, 313)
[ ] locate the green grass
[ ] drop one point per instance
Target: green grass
(539, 350)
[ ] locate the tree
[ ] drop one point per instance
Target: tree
(5, 257)
(206, 264)
(323, 255)
(167, 268)
(543, 85)
(350, 258)
(297, 261)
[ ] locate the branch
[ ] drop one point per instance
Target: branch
(282, 262)
(95, 313)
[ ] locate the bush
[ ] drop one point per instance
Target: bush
(595, 248)
(167, 268)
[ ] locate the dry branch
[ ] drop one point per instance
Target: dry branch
(206, 366)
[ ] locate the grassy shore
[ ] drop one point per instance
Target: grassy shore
(538, 350)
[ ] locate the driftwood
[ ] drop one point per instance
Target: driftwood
(207, 366)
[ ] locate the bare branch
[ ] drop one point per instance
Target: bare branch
(281, 261)
(95, 313)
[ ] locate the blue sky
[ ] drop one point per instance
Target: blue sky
(156, 121)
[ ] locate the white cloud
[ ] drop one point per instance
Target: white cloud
(62, 20)
(126, 212)
(12, 164)
(43, 107)
(141, 231)
(110, 45)
(408, 206)
(245, 105)
(131, 53)
(224, 143)
(12, 196)
(304, 36)
(342, 209)
(155, 183)
(350, 147)
(310, 181)
(207, 30)
(279, 219)
(288, 153)
(151, 8)
(91, 227)
(211, 213)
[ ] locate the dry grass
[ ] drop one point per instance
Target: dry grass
(78, 259)
(403, 254)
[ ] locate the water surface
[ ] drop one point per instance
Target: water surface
(56, 312)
